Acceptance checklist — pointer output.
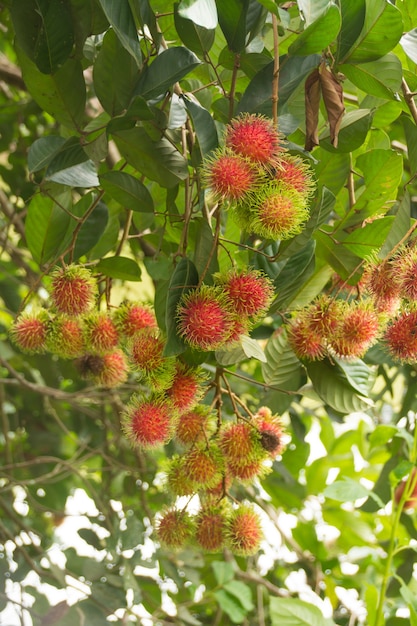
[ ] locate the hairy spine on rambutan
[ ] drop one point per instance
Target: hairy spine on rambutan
(193, 425)
(244, 531)
(175, 528)
(100, 333)
(379, 280)
(115, 369)
(243, 453)
(146, 354)
(66, 337)
(230, 176)
(357, 332)
(255, 137)
(307, 343)
(178, 480)
(131, 317)
(405, 273)
(210, 529)
(250, 291)
(295, 173)
(186, 387)
(149, 422)
(30, 330)
(205, 318)
(73, 290)
(401, 338)
(204, 465)
(271, 431)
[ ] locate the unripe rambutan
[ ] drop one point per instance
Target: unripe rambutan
(358, 330)
(278, 212)
(246, 469)
(73, 290)
(378, 278)
(204, 318)
(193, 425)
(185, 389)
(253, 136)
(66, 337)
(146, 353)
(30, 330)
(244, 531)
(401, 338)
(405, 273)
(230, 176)
(210, 531)
(295, 173)
(240, 443)
(250, 291)
(204, 466)
(100, 332)
(175, 528)
(178, 480)
(271, 431)
(149, 422)
(131, 317)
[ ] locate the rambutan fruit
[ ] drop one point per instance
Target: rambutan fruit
(204, 318)
(324, 315)
(146, 354)
(115, 369)
(246, 469)
(73, 290)
(230, 176)
(204, 466)
(210, 529)
(30, 330)
(401, 338)
(131, 317)
(244, 531)
(271, 431)
(175, 528)
(149, 422)
(296, 173)
(179, 482)
(405, 273)
(89, 365)
(278, 212)
(379, 279)
(255, 137)
(306, 342)
(100, 332)
(250, 291)
(66, 337)
(240, 443)
(357, 332)
(186, 387)
(193, 425)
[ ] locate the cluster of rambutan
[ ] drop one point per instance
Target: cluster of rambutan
(210, 317)
(268, 189)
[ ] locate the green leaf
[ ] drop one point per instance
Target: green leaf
(114, 74)
(353, 16)
(400, 226)
(168, 68)
(319, 33)
(205, 258)
(409, 44)
(358, 374)
(223, 571)
(230, 606)
(252, 349)
(44, 31)
(128, 191)
(92, 228)
(349, 490)
(62, 94)
(242, 592)
(196, 38)
(381, 78)
(294, 612)
(364, 240)
(184, 278)
(120, 17)
(353, 130)
(232, 19)
(158, 160)
(42, 151)
(119, 267)
(71, 166)
(381, 31)
(297, 269)
(411, 136)
(204, 126)
(281, 366)
(201, 12)
(341, 259)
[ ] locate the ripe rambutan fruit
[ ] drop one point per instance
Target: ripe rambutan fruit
(66, 337)
(204, 318)
(278, 212)
(185, 389)
(250, 291)
(240, 443)
(230, 176)
(146, 353)
(210, 530)
(115, 369)
(306, 342)
(324, 315)
(255, 137)
(149, 422)
(179, 482)
(379, 279)
(271, 431)
(73, 290)
(193, 425)
(175, 528)
(401, 338)
(100, 332)
(405, 273)
(204, 466)
(295, 173)
(357, 332)
(131, 317)
(244, 531)
(30, 330)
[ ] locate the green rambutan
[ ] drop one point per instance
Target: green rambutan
(278, 212)
(204, 466)
(244, 531)
(193, 425)
(178, 479)
(210, 529)
(296, 173)
(250, 291)
(246, 469)
(149, 422)
(255, 137)
(73, 290)
(230, 176)
(146, 353)
(204, 318)
(175, 528)
(131, 317)
(66, 337)
(401, 338)
(100, 332)
(240, 443)
(30, 330)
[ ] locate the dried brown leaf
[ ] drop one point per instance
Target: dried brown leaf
(332, 92)
(312, 106)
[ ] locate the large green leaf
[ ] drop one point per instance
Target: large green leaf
(344, 262)
(381, 31)
(44, 31)
(201, 12)
(204, 126)
(282, 367)
(297, 269)
(364, 240)
(353, 15)
(197, 38)
(409, 44)
(119, 267)
(130, 192)
(115, 74)
(42, 151)
(294, 612)
(410, 130)
(168, 68)
(319, 34)
(353, 130)
(381, 78)
(232, 19)
(120, 17)
(71, 166)
(92, 228)
(184, 278)
(158, 160)
(62, 94)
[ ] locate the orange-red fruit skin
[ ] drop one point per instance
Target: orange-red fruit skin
(149, 422)
(254, 137)
(73, 290)
(29, 332)
(244, 531)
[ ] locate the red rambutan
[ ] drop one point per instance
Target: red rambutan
(114, 369)
(204, 466)
(193, 425)
(295, 173)
(185, 390)
(73, 290)
(131, 317)
(149, 422)
(357, 331)
(306, 342)
(240, 444)
(278, 212)
(30, 330)
(244, 531)
(210, 531)
(405, 273)
(204, 318)
(246, 469)
(249, 290)
(66, 337)
(379, 280)
(146, 353)
(100, 332)
(271, 431)
(175, 528)
(253, 136)
(401, 338)
(230, 176)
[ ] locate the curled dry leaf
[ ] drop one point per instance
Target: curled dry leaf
(333, 101)
(312, 105)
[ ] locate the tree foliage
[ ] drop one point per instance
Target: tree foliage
(110, 114)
